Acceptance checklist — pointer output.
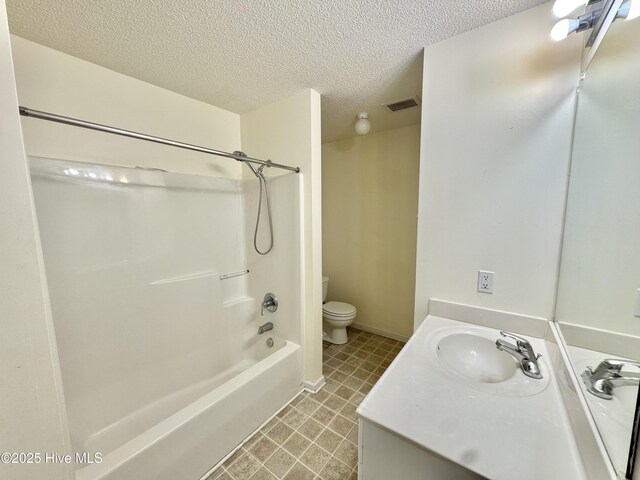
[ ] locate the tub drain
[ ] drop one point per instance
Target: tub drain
(269, 342)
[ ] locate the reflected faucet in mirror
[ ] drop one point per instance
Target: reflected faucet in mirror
(602, 380)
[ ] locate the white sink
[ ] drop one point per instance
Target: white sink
(469, 355)
(476, 358)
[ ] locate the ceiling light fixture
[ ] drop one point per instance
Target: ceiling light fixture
(363, 125)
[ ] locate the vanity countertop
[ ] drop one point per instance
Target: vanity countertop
(498, 436)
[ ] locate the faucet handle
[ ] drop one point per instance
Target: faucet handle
(519, 340)
(615, 365)
(521, 343)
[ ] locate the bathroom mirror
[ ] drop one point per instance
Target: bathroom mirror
(598, 304)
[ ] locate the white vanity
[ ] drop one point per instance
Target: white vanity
(453, 406)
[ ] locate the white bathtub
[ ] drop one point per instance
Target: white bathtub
(188, 443)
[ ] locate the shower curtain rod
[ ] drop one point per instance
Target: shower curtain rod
(239, 156)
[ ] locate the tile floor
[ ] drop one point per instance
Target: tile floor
(315, 437)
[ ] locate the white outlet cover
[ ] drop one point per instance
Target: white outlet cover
(485, 281)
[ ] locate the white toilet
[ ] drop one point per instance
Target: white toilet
(336, 317)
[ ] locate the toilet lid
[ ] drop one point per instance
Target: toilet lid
(339, 309)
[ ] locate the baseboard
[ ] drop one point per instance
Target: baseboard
(314, 387)
(380, 331)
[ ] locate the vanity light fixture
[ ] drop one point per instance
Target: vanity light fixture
(363, 125)
(629, 10)
(562, 8)
(565, 27)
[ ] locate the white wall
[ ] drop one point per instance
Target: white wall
(59, 83)
(600, 269)
(288, 132)
(497, 114)
(369, 207)
(32, 414)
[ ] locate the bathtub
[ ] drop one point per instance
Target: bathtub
(188, 443)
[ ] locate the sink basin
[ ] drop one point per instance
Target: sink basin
(476, 358)
(468, 355)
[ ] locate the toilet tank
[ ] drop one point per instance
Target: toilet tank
(325, 286)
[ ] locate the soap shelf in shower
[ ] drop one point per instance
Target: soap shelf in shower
(234, 274)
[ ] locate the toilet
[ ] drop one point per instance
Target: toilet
(336, 317)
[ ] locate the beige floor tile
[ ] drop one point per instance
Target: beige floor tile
(323, 415)
(368, 366)
(237, 454)
(295, 418)
(219, 473)
(299, 472)
(354, 361)
(263, 474)
(353, 382)
(296, 445)
(349, 411)
(280, 432)
(279, 463)
(352, 436)
(308, 406)
(263, 449)
(244, 467)
(315, 458)
(347, 453)
(284, 411)
(357, 398)
(335, 470)
(250, 443)
(329, 440)
(361, 374)
(331, 386)
(338, 376)
(346, 368)
(341, 425)
(270, 425)
(334, 403)
(344, 392)
(310, 429)
(321, 396)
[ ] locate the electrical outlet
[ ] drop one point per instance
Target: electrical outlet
(485, 281)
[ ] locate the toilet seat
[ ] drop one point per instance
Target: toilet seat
(338, 310)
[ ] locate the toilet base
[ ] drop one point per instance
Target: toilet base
(337, 335)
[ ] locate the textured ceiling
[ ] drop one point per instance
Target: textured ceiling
(241, 54)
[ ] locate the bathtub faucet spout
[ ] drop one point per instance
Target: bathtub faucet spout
(265, 328)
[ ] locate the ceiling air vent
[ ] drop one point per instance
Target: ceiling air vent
(403, 104)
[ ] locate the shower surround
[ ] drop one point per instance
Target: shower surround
(163, 370)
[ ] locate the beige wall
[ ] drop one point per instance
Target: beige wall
(32, 411)
(369, 204)
(59, 83)
(288, 132)
(496, 129)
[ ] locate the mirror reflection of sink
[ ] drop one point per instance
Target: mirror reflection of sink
(468, 355)
(476, 358)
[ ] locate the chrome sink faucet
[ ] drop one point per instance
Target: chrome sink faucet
(521, 351)
(601, 381)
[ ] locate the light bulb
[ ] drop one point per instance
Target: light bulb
(363, 125)
(563, 28)
(562, 8)
(629, 10)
